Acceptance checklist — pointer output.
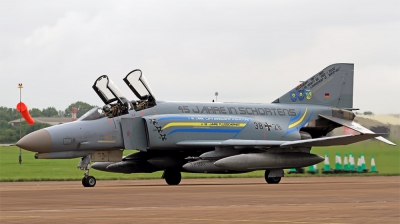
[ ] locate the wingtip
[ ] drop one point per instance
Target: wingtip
(382, 139)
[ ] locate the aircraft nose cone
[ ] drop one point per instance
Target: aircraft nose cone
(37, 141)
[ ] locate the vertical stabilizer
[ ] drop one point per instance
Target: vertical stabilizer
(333, 87)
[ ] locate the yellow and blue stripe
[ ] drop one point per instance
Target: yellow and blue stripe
(205, 125)
(298, 121)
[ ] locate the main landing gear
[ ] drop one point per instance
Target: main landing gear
(172, 177)
(273, 176)
(84, 164)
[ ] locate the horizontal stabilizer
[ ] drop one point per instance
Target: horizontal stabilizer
(329, 141)
(356, 127)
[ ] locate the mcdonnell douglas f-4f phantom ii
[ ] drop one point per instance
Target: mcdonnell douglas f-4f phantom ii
(205, 137)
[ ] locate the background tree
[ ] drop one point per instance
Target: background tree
(50, 112)
(81, 107)
(35, 112)
(8, 114)
(8, 133)
(368, 113)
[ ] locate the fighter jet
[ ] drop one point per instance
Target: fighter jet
(205, 137)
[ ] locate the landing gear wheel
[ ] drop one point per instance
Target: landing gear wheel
(172, 177)
(272, 180)
(84, 181)
(89, 181)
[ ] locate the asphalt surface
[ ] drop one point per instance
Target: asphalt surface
(294, 200)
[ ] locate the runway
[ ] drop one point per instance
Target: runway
(294, 200)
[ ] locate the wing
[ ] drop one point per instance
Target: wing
(325, 141)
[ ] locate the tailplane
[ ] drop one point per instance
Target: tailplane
(333, 87)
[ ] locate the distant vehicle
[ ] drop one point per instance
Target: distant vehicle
(205, 137)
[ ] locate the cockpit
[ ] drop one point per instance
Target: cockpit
(116, 103)
(138, 84)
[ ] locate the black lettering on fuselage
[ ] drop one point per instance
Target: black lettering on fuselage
(205, 109)
(222, 110)
(254, 111)
(198, 110)
(231, 110)
(247, 111)
(285, 113)
(292, 112)
(242, 110)
(215, 109)
(267, 110)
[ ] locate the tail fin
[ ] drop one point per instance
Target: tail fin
(333, 87)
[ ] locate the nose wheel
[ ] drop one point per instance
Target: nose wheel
(89, 181)
(84, 164)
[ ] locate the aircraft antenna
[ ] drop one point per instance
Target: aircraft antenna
(216, 96)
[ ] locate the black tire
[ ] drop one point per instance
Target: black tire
(90, 181)
(84, 181)
(172, 177)
(271, 180)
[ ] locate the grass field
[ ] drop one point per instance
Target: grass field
(387, 159)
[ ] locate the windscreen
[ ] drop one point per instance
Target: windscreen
(93, 114)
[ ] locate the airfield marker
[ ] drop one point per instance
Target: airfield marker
(363, 166)
(312, 169)
(327, 167)
(338, 163)
(352, 163)
(359, 164)
(292, 170)
(346, 164)
(373, 166)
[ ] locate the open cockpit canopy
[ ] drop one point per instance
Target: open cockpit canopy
(108, 91)
(115, 102)
(138, 84)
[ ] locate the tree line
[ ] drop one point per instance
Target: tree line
(10, 134)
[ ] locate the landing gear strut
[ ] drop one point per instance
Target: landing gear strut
(273, 176)
(84, 164)
(172, 177)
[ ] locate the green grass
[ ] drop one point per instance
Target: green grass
(387, 160)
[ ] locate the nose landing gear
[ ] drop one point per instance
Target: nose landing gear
(89, 181)
(84, 164)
